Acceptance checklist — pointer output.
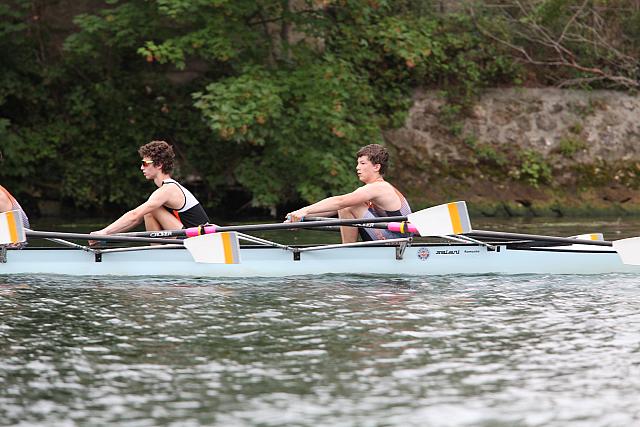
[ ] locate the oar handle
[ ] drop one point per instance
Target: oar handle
(397, 224)
(402, 227)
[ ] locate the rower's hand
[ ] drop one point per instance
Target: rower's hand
(96, 233)
(296, 216)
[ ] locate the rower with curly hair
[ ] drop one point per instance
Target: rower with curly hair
(169, 207)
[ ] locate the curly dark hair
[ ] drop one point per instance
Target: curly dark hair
(161, 153)
(377, 154)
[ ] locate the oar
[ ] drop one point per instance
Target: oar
(205, 246)
(628, 249)
(109, 238)
(442, 220)
(12, 231)
(446, 219)
(211, 229)
(538, 238)
(11, 228)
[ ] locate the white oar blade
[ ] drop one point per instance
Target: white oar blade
(11, 228)
(442, 220)
(628, 249)
(218, 248)
(597, 237)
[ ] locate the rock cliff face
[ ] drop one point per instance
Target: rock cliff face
(532, 150)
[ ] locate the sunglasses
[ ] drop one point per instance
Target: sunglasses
(146, 163)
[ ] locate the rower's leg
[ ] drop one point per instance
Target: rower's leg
(150, 223)
(350, 234)
(161, 219)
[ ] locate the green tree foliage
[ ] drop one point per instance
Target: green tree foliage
(271, 97)
(71, 119)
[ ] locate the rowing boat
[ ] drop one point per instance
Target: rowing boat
(399, 259)
(215, 252)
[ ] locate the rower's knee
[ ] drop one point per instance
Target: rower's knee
(151, 223)
(353, 212)
(345, 213)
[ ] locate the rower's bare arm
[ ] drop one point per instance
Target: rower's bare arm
(136, 216)
(333, 204)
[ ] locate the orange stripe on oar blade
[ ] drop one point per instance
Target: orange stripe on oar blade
(455, 217)
(13, 227)
(228, 251)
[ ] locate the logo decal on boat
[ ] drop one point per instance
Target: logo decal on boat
(423, 254)
(448, 252)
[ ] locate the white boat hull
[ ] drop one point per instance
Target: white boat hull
(417, 260)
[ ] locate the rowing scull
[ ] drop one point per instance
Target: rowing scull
(215, 252)
(379, 259)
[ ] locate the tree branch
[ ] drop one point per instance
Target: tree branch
(585, 43)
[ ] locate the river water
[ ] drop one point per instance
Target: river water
(493, 351)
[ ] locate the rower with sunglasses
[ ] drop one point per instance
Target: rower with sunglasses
(170, 207)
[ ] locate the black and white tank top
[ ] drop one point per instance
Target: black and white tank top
(191, 214)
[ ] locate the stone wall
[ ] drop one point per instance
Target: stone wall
(572, 130)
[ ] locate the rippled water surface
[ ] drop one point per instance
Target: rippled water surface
(329, 351)
(492, 351)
